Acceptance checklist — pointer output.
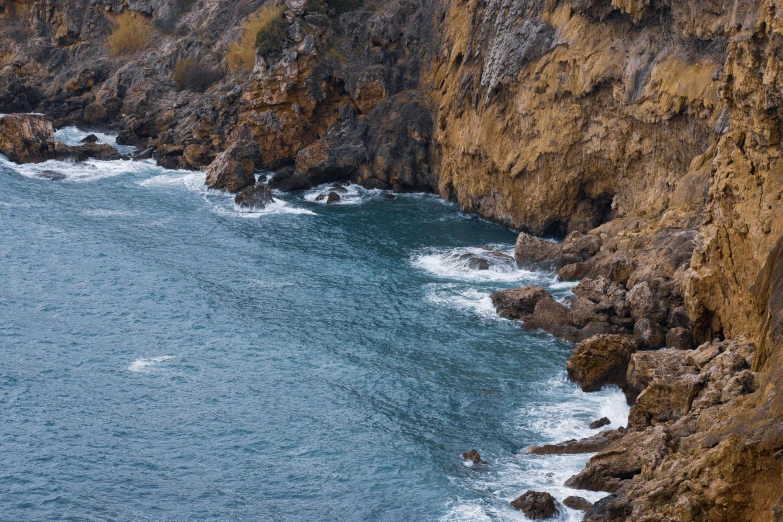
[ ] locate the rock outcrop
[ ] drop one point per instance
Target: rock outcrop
(232, 170)
(536, 505)
(26, 138)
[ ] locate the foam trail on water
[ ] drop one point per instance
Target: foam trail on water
(470, 299)
(460, 264)
(142, 365)
(85, 171)
(353, 195)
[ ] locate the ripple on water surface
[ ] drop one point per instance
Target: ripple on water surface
(166, 358)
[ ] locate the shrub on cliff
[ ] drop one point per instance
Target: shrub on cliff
(194, 75)
(241, 55)
(130, 35)
(271, 38)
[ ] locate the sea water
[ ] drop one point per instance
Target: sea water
(166, 355)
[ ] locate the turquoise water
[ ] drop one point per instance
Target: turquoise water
(166, 356)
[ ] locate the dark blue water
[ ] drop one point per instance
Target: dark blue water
(165, 356)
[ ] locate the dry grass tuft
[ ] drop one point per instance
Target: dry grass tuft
(130, 35)
(242, 54)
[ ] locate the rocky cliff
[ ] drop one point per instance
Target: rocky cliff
(647, 131)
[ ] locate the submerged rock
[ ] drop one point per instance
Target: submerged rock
(232, 170)
(90, 138)
(536, 505)
(473, 456)
(332, 198)
(51, 175)
(256, 196)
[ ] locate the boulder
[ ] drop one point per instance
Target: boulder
(584, 311)
(665, 399)
(332, 198)
(578, 503)
(100, 151)
(518, 303)
(601, 360)
(232, 170)
(27, 138)
(288, 179)
(552, 317)
(197, 155)
(533, 252)
(90, 138)
(649, 334)
(600, 423)
(679, 338)
(572, 447)
(473, 456)
(536, 505)
(255, 196)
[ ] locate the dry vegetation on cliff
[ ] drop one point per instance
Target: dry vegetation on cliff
(130, 35)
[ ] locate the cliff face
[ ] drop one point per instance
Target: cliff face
(651, 126)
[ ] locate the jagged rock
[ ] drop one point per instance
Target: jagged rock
(613, 508)
(552, 317)
(332, 198)
(645, 366)
(339, 188)
(536, 505)
(679, 338)
(625, 458)
(143, 154)
(197, 155)
(518, 303)
(232, 170)
(27, 138)
(255, 196)
(90, 138)
(599, 361)
(578, 503)
(100, 151)
(584, 311)
(649, 334)
(664, 399)
(592, 444)
(473, 456)
(534, 252)
(573, 272)
(603, 421)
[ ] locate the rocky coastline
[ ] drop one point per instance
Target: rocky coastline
(644, 135)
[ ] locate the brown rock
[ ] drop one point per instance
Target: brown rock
(679, 338)
(473, 456)
(645, 366)
(665, 399)
(536, 505)
(622, 460)
(518, 303)
(603, 421)
(552, 317)
(332, 198)
(232, 170)
(571, 447)
(649, 334)
(534, 252)
(573, 272)
(27, 138)
(198, 155)
(578, 503)
(255, 196)
(599, 361)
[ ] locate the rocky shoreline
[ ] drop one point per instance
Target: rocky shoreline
(645, 134)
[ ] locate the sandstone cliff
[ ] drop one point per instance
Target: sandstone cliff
(653, 127)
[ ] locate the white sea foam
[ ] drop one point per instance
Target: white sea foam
(73, 136)
(277, 207)
(355, 194)
(86, 171)
(146, 364)
(192, 180)
(456, 264)
(470, 299)
(561, 411)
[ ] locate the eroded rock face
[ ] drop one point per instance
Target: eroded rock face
(27, 138)
(601, 360)
(570, 447)
(232, 170)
